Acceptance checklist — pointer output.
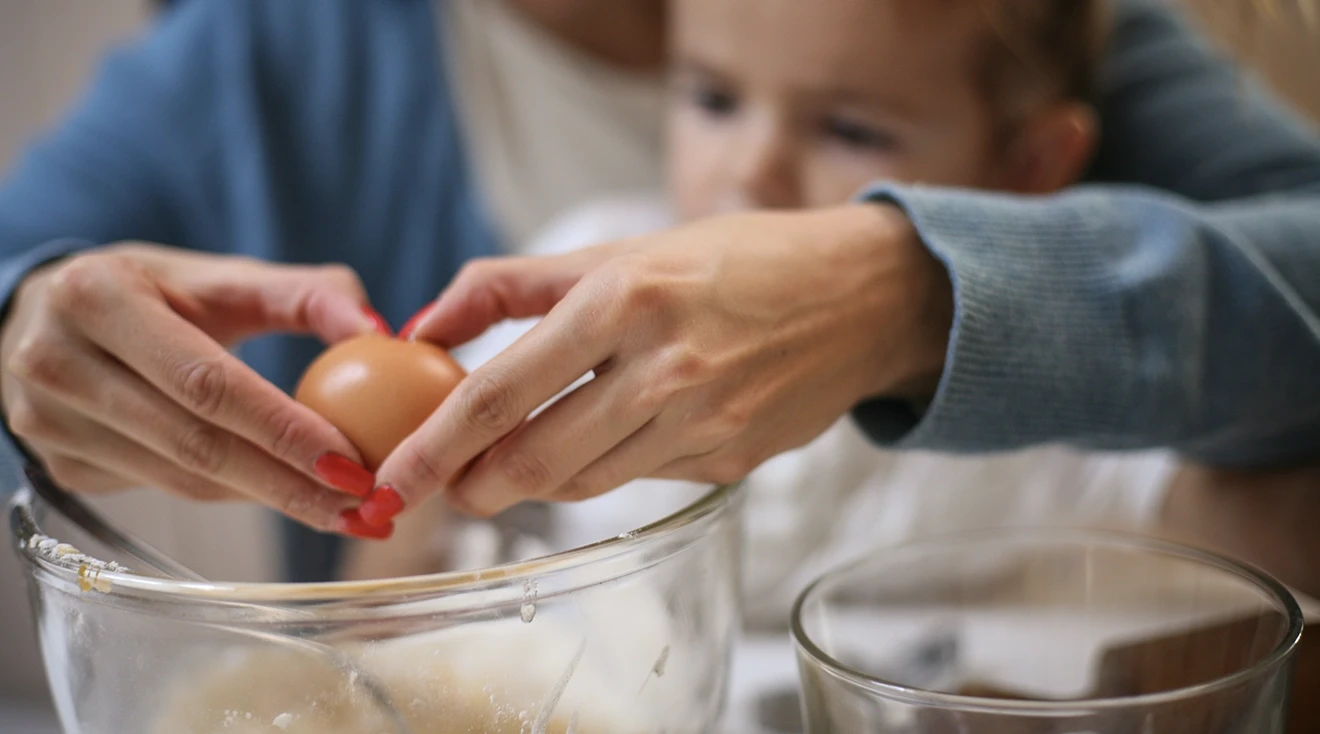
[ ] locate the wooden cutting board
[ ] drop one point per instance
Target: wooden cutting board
(1202, 655)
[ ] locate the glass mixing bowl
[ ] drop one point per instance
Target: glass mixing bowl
(1046, 632)
(633, 633)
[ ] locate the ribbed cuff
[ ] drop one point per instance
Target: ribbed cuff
(1032, 332)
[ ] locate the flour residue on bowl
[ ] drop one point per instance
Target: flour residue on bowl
(89, 568)
(576, 670)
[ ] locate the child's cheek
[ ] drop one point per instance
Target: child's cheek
(696, 169)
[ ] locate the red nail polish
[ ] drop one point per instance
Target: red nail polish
(381, 507)
(351, 523)
(407, 331)
(379, 321)
(344, 474)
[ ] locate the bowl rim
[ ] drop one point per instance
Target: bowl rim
(717, 501)
(1040, 536)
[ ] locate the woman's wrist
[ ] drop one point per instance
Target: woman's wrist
(913, 302)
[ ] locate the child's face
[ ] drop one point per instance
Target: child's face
(800, 103)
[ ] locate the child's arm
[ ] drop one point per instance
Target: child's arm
(1182, 311)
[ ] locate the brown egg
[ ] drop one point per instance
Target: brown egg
(377, 390)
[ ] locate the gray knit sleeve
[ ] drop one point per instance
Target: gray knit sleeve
(1178, 309)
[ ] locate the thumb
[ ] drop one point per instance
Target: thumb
(488, 291)
(238, 300)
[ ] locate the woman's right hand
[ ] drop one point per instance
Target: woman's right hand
(116, 374)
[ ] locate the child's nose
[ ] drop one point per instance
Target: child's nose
(767, 174)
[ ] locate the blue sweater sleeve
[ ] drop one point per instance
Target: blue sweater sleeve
(121, 164)
(1118, 316)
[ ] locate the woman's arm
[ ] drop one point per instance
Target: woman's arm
(118, 166)
(1125, 316)
(114, 370)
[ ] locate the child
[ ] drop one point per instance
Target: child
(787, 104)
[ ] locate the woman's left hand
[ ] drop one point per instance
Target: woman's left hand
(713, 348)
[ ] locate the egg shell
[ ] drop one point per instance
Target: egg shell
(378, 390)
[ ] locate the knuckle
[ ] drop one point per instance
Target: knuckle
(201, 385)
(476, 270)
(202, 450)
(652, 397)
(288, 436)
(488, 404)
(79, 286)
(609, 290)
(29, 422)
(640, 294)
(65, 472)
(685, 366)
(39, 361)
(728, 469)
(722, 424)
(423, 471)
(525, 471)
(680, 370)
(343, 276)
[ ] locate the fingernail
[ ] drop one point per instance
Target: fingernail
(344, 474)
(350, 522)
(407, 331)
(378, 321)
(381, 507)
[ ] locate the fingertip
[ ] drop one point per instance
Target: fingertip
(351, 523)
(382, 506)
(334, 319)
(344, 474)
(376, 321)
(408, 332)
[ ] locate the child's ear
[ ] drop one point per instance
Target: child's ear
(1052, 150)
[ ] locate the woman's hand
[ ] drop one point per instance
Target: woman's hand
(116, 374)
(713, 347)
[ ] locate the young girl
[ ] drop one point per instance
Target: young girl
(783, 104)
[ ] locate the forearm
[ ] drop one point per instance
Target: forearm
(1122, 319)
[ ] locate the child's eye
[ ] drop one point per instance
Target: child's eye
(858, 135)
(714, 101)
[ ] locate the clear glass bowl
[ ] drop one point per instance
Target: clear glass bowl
(630, 634)
(1046, 632)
